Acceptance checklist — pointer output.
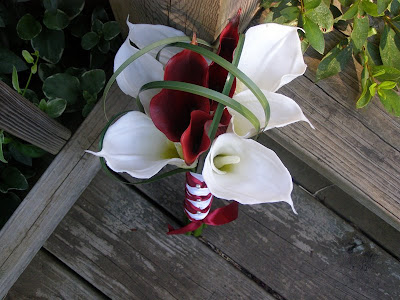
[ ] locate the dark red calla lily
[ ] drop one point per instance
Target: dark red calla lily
(184, 117)
(170, 110)
(227, 44)
(195, 140)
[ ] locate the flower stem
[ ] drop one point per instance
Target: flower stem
(30, 77)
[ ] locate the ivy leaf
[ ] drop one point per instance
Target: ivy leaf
(360, 32)
(99, 13)
(28, 27)
(322, 16)
(50, 44)
(89, 40)
(93, 81)
(390, 48)
(311, 4)
(14, 80)
(314, 35)
(351, 12)
(104, 46)
(71, 7)
(111, 29)
(43, 105)
(395, 8)
(31, 96)
(9, 59)
(346, 3)
(87, 109)
(51, 5)
(56, 107)
(2, 159)
(290, 13)
(64, 86)
(386, 73)
(387, 85)
(382, 5)
(12, 179)
(18, 156)
(334, 61)
(27, 56)
(391, 101)
(97, 26)
(370, 8)
(365, 97)
(46, 70)
(56, 20)
(28, 149)
(374, 53)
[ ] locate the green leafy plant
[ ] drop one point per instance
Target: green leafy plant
(371, 35)
(42, 57)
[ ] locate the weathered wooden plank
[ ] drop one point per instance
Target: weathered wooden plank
(21, 118)
(48, 278)
(314, 254)
(53, 195)
(346, 151)
(117, 241)
(337, 200)
(207, 18)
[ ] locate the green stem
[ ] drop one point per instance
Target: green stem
(388, 20)
(29, 78)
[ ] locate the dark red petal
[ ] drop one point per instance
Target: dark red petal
(170, 110)
(227, 44)
(195, 139)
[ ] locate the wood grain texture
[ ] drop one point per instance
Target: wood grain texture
(54, 194)
(315, 254)
(116, 240)
(48, 278)
(207, 17)
(22, 119)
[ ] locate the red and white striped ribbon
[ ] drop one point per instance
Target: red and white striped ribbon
(198, 198)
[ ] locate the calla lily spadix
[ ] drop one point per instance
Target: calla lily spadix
(246, 171)
(174, 128)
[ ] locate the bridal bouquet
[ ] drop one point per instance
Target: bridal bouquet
(201, 116)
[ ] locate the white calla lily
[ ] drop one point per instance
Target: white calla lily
(247, 172)
(143, 35)
(284, 111)
(271, 57)
(135, 146)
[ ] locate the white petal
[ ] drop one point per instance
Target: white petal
(138, 73)
(284, 111)
(143, 35)
(135, 146)
(259, 177)
(272, 56)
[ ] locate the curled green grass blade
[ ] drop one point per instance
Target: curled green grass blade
(233, 70)
(205, 92)
(116, 177)
(227, 88)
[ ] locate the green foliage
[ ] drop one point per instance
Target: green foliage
(373, 39)
(59, 77)
(28, 27)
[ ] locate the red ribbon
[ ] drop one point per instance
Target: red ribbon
(220, 216)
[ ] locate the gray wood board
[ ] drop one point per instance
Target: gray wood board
(21, 118)
(117, 241)
(48, 278)
(337, 200)
(314, 254)
(54, 194)
(344, 150)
